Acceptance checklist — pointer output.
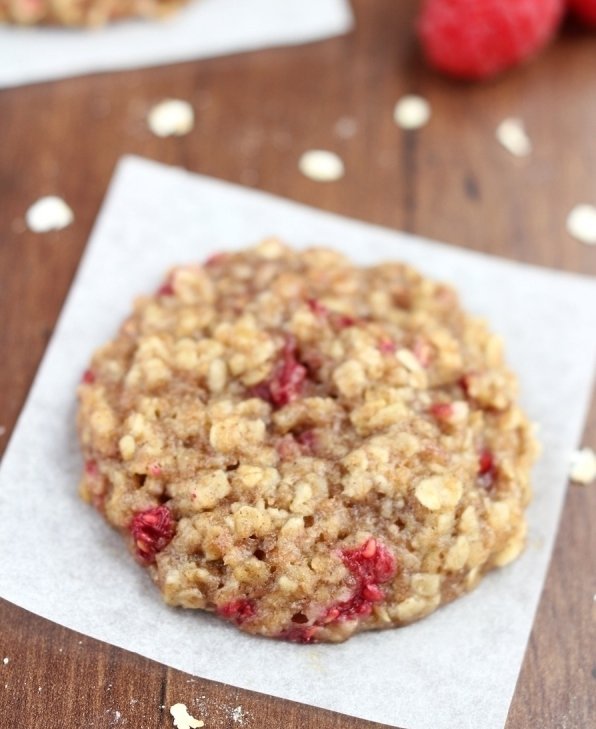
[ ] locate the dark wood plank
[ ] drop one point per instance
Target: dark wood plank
(256, 113)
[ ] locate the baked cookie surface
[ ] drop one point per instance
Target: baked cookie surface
(308, 448)
(81, 12)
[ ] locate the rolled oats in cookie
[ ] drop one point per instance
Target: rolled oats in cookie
(305, 447)
(77, 13)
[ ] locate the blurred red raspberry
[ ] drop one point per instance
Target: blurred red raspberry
(475, 39)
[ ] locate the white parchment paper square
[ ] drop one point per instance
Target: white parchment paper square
(456, 668)
(203, 29)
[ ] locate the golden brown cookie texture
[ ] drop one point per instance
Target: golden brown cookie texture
(307, 447)
(82, 12)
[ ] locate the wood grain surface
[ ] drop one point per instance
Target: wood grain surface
(256, 113)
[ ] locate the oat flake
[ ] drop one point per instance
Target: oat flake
(182, 719)
(171, 117)
(581, 224)
(412, 112)
(511, 134)
(583, 466)
(48, 213)
(321, 165)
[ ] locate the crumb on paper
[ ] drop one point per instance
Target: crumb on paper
(171, 117)
(346, 127)
(581, 224)
(238, 715)
(321, 165)
(511, 134)
(583, 466)
(48, 213)
(412, 112)
(182, 719)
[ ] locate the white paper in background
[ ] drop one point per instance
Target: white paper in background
(203, 29)
(456, 668)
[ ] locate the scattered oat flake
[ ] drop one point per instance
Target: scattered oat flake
(583, 466)
(412, 112)
(581, 224)
(171, 117)
(48, 213)
(511, 134)
(321, 165)
(182, 719)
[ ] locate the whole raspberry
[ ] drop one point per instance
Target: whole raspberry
(585, 10)
(475, 39)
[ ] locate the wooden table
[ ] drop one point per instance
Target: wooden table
(256, 114)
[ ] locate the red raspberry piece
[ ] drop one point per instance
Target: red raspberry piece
(372, 593)
(585, 10)
(238, 611)
(343, 321)
(307, 440)
(487, 468)
(154, 470)
(167, 289)
(475, 39)
(486, 462)
(371, 564)
(287, 381)
(441, 410)
(91, 468)
(152, 531)
(387, 346)
(261, 391)
(317, 308)
(88, 377)
(300, 635)
(465, 382)
(293, 446)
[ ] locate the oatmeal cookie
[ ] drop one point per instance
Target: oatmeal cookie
(81, 12)
(305, 447)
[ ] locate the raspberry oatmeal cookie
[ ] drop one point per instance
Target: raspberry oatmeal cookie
(307, 448)
(81, 12)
